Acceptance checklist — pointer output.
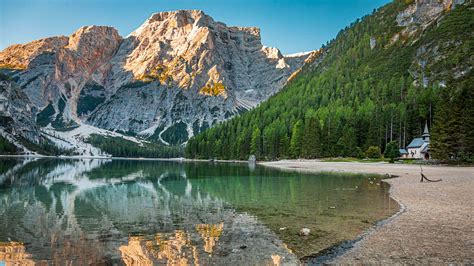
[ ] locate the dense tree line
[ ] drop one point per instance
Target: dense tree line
(120, 147)
(6, 147)
(45, 147)
(357, 97)
(454, 123)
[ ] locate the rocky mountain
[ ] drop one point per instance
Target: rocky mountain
(176, 75)
(383, 77)
(16, 112)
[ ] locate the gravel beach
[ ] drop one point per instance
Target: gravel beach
(436, 225)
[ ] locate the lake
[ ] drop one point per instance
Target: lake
(137, 212)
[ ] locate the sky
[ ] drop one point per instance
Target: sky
(290, 25)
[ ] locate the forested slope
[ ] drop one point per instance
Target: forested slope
(380, 80)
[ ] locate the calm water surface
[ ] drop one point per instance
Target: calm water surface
(147, 212)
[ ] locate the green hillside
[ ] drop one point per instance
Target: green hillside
(356, 95)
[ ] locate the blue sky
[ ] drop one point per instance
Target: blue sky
(291, 25)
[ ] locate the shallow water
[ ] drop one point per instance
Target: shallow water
(148, 212)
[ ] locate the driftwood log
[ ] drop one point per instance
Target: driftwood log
(424, 178)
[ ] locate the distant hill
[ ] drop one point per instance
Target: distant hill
(380, 80)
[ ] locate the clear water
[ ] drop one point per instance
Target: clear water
(149, 212)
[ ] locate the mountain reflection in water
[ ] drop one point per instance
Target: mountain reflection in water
(148, 212)
(174, 249)
(15, 253)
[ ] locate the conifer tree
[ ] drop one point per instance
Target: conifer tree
(392, 151)
(296, 139)
(346, 145)
(256, 143)
(468, 122)
(312, 136)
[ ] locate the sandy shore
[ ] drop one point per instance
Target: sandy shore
(436, 226)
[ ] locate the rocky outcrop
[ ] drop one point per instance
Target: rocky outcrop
(58, 67)
(19, 56)
(177, 74)
(428, 66)
(16, 114)
(422, 12)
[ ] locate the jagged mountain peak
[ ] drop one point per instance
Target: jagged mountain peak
(182, 15)
(188, 19)
(82, 41)
(19, 56)
(172, 20)
(272, 52)
(90, 35)
(177, 74)
(212, 65)
(182, 45)
(181, 18)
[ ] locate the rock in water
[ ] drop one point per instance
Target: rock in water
(252, 159)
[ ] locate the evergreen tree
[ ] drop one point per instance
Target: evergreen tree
(392, 151)
(284, 142)
(312, 136)
(6, 147)
(453, 128)
(296, 139)
(468, 123)
(256, 143)
(440, 132)
(347, 143)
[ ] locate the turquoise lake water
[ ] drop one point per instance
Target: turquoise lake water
(136, 212)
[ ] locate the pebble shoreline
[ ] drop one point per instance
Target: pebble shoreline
(436, 226)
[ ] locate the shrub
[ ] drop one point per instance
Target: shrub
(373, 152)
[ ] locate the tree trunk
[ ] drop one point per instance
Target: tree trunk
(391, 126)
(400, 133)
(404, 133)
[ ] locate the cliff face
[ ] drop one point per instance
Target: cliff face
(181, 72)
(417, 22)
(16, 112)
(423, 12)
(178, 73)
(56, 65)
